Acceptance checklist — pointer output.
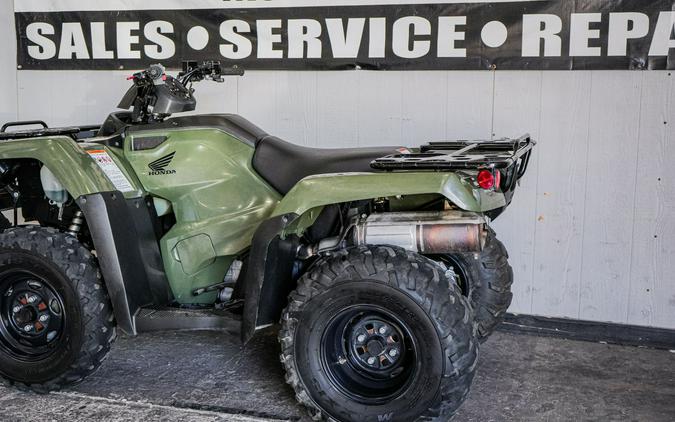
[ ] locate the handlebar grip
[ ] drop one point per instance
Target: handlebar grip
(232, 71)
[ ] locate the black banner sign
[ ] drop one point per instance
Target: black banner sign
(547, 34)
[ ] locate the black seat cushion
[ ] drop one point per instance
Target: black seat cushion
(283, 164)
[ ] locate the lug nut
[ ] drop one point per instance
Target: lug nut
(361, 338)
(28, 327)
(32, 299)
(371, 361)
(16, 309)
(383, 330)
(393, 353)
(43, 318)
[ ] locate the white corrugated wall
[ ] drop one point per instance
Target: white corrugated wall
(590, 232)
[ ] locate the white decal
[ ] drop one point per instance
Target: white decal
(106, 163)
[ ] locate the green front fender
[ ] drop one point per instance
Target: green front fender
(318, 191)
(70, 163)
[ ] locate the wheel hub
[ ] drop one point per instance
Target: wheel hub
(376, 345)
(24, 316)
(30, 313)
(369, 353)
(31, 316)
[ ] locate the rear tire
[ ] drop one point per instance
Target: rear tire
(486, 279)
(347, 315)
(56, 321)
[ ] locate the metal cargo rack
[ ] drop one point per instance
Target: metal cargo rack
(75, 132)
(463, 155)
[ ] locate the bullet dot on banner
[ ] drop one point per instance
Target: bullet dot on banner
(494, 34)
(198, 37)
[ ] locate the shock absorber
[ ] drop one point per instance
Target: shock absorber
(76, 223)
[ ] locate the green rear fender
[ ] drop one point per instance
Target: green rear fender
(70, 163)
(315, 192)
(270, 279)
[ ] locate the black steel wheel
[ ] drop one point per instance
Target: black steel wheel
(56, 322)
(378, 351)
(32, 314)
(378, 333)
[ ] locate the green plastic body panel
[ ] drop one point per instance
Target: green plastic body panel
(312, 193)
(217, 198)
(71, 164)
(320, 190)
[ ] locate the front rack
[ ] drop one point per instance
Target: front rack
(75, 132)
(463, 155)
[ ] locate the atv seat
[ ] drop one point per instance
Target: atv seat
(283, 164)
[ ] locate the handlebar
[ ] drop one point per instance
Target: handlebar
(195, 72)
(156, 95)
(233, 71)
(192, 72)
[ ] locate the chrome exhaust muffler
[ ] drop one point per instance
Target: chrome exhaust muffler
(434, 232)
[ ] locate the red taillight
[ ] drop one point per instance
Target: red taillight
(486, 179)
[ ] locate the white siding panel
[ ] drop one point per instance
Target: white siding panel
(379, 108)
(652, 277)
(517, 111)
(470, 97)
(560, 197)
(7, 65)
(337, 109)
(610, 194)
(215, 97)
(424, 107)
(256, 96)
(67, 98)
(296, 105)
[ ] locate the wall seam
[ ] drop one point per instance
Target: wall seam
(632, 232)
(16, 65)
(494, 94)
(583, 215)
(536, 194)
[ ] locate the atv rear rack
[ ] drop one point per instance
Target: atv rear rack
(463, 155)
(75, 132)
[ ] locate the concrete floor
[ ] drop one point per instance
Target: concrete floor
(209, 376)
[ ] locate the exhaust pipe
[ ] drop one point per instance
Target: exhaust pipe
(424, 232)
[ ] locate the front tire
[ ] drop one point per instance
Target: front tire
(378, 334)
(56, 321)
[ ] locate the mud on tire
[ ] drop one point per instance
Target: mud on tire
(347, 299)
(47, 274)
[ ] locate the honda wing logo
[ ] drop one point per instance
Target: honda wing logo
(158, 167)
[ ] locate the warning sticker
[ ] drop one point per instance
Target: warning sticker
(106, 163)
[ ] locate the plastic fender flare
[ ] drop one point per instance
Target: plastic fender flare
(268, 275)
(67, 160)
(326, 189)
(274, 244)
(127, 253)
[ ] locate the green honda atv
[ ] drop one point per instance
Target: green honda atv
(378, 263)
